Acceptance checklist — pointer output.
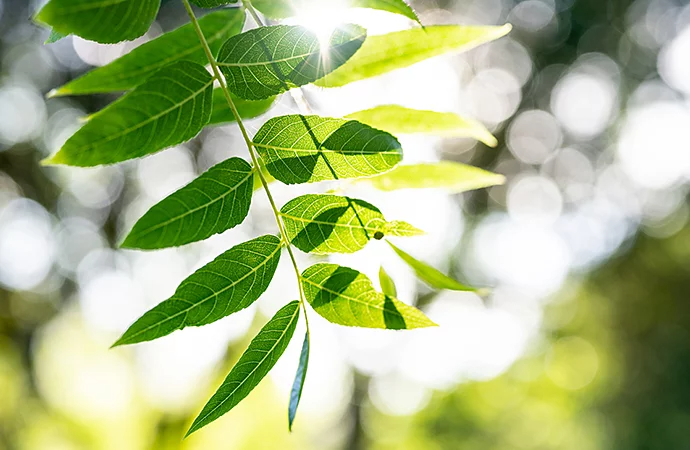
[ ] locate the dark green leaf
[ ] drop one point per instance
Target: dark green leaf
(216, 201)
(346, 297)
(261, 355)
(429, 275)
(323, 223)
(171, 107)
(54, 37)
(305, 149)
(248, 109)
(213, 3)
(450, 176)
(266, 61)
(298, 384)
(229, 283)
(383, 53)
(397, 119)
(387, 283)
(132, 69)
(107, 22)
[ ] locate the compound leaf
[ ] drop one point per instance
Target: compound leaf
(298, 384)
(216, 201)
(229, 283)
(324, 223)
(429, 275)
(305, 149)
(397, 119)
(248, 109)
(387, 283)
(261, 355)
(107, 22)
(132, 69)
(266, 61)
(171, 107)
(450, 176)
(383, 53)
(346, 297)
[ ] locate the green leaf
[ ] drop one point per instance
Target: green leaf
(267, 176)
(229, 283)
(213, 3)
(171, 107)
(383, 53)
(102, 21)
(216, 201)
(298, 384)
(387, 283)
(324, 223)
(450, 176)
(280, 9)
(261, 355)
(429, 275)
(54, 37)
(346, 297)
(392, 6)
(132, 69)
(305, 149)
(266, 61)
(397, 119)
(248, 109)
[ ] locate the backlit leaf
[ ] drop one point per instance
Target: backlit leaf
(280, 9)
(429, 275)
(54, 37)
(323, 223)
(346, 297)
(216, 201)
(266, 61)
(229, 283)
(248, 109)
(259, 358)
(298, 384)
(383, 53)
(133, 68)
(212, 3)
(305, 149)
(171, 107)
(397, 119)
(450, 176)
(102, 21)
(393, 6)
(387, 283)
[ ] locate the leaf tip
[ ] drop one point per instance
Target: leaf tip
(57, 92)
(54, 160)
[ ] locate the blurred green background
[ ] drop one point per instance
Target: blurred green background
(583, 344)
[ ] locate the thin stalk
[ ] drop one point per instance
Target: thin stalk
(250, 147)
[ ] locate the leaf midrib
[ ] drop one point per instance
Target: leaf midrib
(335, 224)
(395, 151)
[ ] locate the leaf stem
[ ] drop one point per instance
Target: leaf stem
(250, 145)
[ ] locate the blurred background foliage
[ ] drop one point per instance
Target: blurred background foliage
(584, 343)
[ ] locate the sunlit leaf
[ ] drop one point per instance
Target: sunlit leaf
(212, 3)
(216, 201)
(383, 53)
(450, 176)
(397, 119)
(133, 68)
(323, 223)
(429, 275)
(346, 297)
(266, 61)
(54, 37)
(261, 355)
(171, 107)
(304, 149)
(102, 21)
(281, 9)
(229, 283)
(267, 176)
(387, 283)
(248, 109)
(298, 384)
